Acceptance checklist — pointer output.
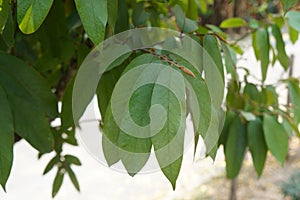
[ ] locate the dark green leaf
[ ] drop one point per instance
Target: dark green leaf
(257, 144)
(32, 13)
(122, 23)
(72, 160)
(3, 14)
(280, 46)
(230, 116)
(235, 147)
(73, 178)
(6, 138)
(276, 138)
(112, 11)
(93, 14)
(57, 182)
(51, 164)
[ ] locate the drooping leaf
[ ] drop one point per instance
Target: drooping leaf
(32, 13)
(93, 14)
(257, 144)
(73, 178)
(57, 182)
(276, 138)
(233, 23)
(293, 18)
(235, 147)
(6, 138)
(262, 44)
(185, 24)
(280, 46)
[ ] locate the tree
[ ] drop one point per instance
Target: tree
(44, 43)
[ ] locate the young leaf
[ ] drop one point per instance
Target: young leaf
(72, 160)
(93, 15)
(263, 44)
(294, 34)
(32, 13)
(51, 164)
(233, 23)
(257, 144)
(57, 182)
(280, 46)
(276, 138)
(235, 147)
(6, 138)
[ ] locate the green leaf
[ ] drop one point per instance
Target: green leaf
(122, 23)
(112, 11)
(51, 164)
(230, 60)
(192, 11)
(248, 116)
(230, 116)
(66, 114)
(287, 4)
(257, 144)
(93, 14)
(72, 160)
(294, 34)
(293, 18)
(280, 46)
(185, 25)
(31, 100)
(262, 45)
(139, 15)
(73, 178)
(32, 13)
(6, 138)
(294, 92)
(235, 147)
(3, 14)
(210, 44)
(9, 30)
(233, 23)
(251, 92)
(276, 138)
(57, 182)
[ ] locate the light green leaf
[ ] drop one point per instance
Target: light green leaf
(276, 138)
(192, 11)
(6, 138)
(32, 13)
(233, 23)
(248, 116)
(293, 18)
(294, 34)
(257, 144)
(3, 14)
(185, 25)
(93, 14)
(235, 147)
(112, 11)
(262, 44)
(287, 4)
(230, 60)
(280, 46)
(57, 182)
